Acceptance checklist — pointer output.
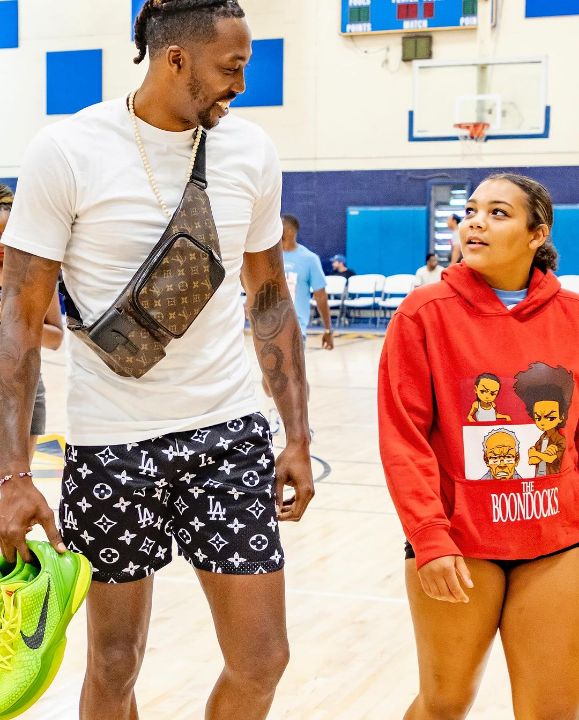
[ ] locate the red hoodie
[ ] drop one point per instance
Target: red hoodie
(479, 418)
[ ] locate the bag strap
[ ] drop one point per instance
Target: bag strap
(199, 173)
(198, 177)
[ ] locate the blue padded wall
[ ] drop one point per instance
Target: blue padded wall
(264, 75)
(551, 8)
(136, 6)
(11, 182)
(74, 80)
(8, 23)
(386, 240)
(566, 238)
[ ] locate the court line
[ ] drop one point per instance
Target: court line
(299, 591)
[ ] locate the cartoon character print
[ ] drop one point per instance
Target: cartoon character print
(547, 393)
(484, 409)
(501, 455)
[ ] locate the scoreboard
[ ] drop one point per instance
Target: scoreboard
(378, 16)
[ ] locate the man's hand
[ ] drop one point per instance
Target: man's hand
(21, 507)
(327, 340)
(441, 579)
(294, 468)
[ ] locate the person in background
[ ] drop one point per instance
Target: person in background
(429, 273)
(52, 332)
(456, 254)
(304, 274)
(340, 268)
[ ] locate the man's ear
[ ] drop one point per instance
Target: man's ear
(176, 59)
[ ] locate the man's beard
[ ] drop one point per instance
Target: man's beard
(204, 116)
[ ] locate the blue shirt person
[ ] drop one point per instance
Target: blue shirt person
(304, 274)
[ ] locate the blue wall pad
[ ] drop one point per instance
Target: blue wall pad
(551, 8)
(135, 10)
(74, 80)
(387, 240)
(8, 23)
(565, 238)
(264, 75)
(11, 182)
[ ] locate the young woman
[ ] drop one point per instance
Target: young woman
(490, 507)
(52, 334)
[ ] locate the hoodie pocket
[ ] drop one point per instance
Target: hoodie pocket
(514, 519)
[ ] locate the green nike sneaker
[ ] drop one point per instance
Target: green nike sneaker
(21, 571)
(33, 620)
(10, 572)
(5, 566)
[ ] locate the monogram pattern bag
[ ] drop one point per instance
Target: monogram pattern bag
(168, 291)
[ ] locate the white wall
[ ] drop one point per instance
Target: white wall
(346, 99)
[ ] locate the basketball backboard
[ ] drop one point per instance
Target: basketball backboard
(509, 95)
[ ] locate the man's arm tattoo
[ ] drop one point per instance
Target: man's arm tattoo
(272, 362)
(298, 356)
(19, 372)
(269, 311)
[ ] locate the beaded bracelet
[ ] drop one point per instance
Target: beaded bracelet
(9, 477)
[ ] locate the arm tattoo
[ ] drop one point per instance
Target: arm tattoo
(19, 372)
(298, 356)
(28, 286)
(272, 361)
(269, 311)
(16, 274)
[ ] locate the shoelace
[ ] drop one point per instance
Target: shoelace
(10, 622)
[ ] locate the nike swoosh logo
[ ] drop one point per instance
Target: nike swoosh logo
(35, 640)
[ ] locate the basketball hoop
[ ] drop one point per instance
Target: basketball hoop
(472, 136)
(475, 132)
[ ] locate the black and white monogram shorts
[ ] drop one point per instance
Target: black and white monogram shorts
(211, 490)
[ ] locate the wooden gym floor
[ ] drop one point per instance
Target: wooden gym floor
(349, 623)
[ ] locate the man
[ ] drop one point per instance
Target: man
(453, 222)
(501, 455)
(181, 452)
(340, 268)
(429, 273)
(304, 274)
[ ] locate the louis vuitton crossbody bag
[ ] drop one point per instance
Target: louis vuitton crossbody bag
(172, 286)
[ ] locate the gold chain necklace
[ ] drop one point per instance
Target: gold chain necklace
(145, 159)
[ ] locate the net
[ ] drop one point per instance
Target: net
(475, 132)
(472, 136)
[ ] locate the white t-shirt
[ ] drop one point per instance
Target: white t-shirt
(84, 199)
(425, 276)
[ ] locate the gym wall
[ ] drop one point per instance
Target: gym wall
(342, 130)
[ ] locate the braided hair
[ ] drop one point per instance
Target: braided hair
(161, 23)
